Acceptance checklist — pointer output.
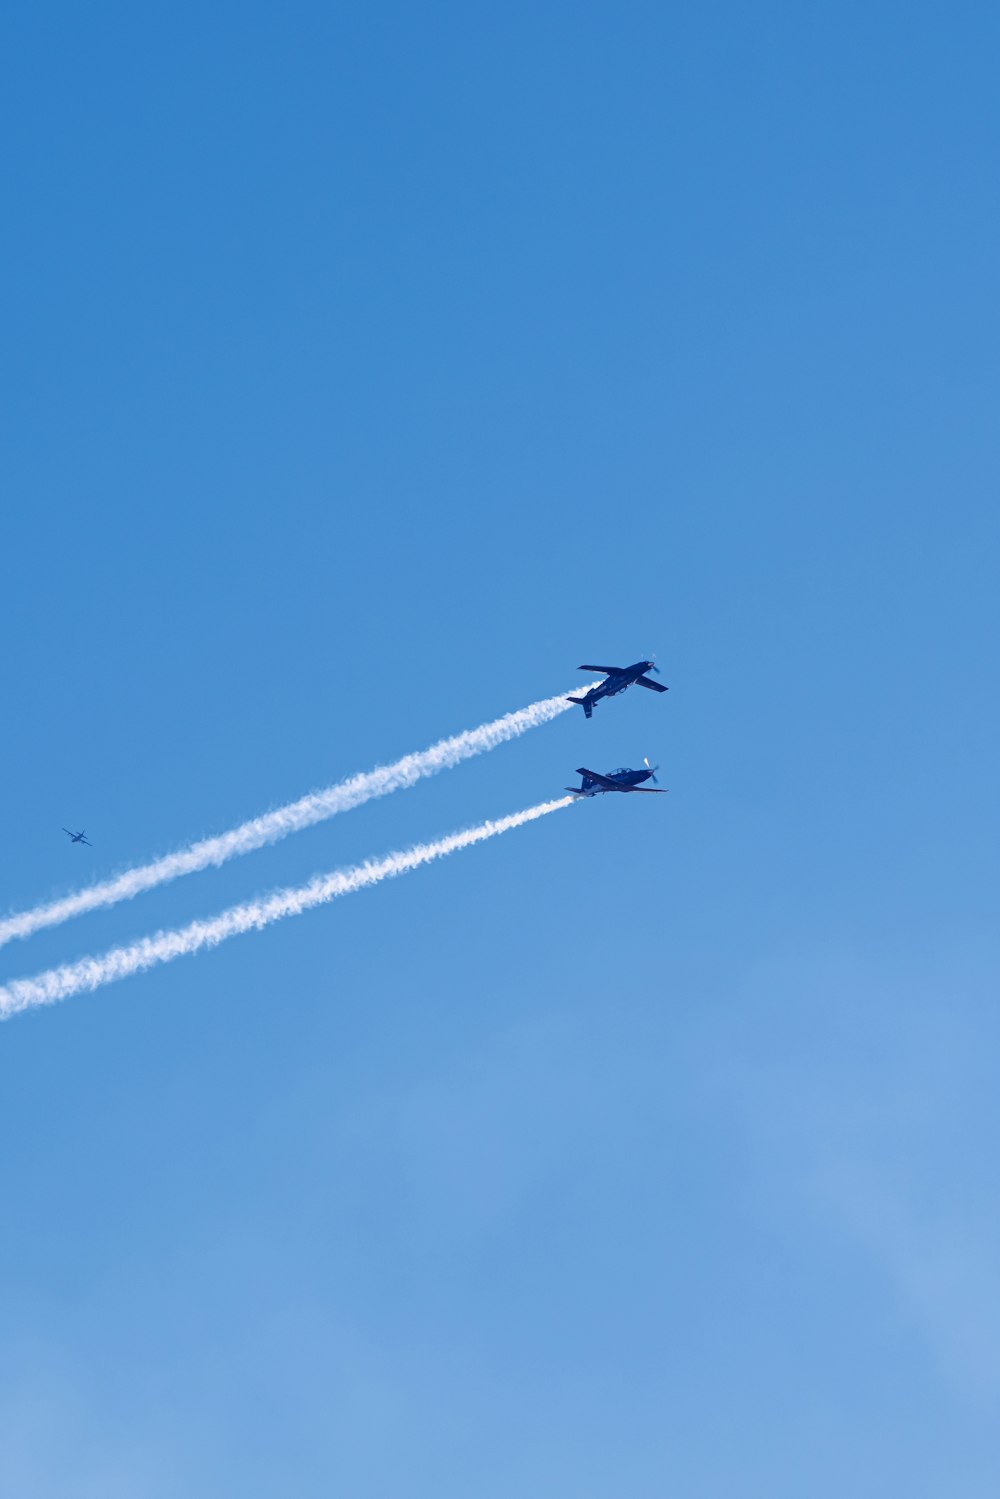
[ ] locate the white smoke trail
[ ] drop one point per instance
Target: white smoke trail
(272, 826)
(120, 962)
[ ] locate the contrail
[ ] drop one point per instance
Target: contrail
(120, 962)
(272, 826)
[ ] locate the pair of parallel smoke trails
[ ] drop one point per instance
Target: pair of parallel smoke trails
(120, 962)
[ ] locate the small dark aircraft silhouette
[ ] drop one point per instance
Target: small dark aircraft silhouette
(623, 779)
(616, 679)
(78, 837)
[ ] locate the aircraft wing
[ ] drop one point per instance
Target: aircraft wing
(607, 671)
(650, 790)
(648, 682)
(604, 781)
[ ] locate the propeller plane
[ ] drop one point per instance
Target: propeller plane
(616, 679)
(80, 837)
(623, 779)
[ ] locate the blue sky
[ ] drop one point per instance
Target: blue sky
(366, 369)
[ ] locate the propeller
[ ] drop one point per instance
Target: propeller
(652, 770)
(652, 664)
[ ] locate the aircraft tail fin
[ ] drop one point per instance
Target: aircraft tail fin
(585, 704)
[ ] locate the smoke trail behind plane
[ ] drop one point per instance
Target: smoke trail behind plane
(292, 818)
(121, 962)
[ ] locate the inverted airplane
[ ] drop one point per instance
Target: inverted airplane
(623, 779)
(78, 837)
(616, 679)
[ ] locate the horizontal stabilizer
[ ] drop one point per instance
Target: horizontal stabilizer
(585, 704)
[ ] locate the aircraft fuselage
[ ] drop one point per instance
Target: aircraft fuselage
(612, 685)
(623, 779)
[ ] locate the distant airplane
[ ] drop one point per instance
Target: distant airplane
(78, 837)
(622, 779)
(616, 679)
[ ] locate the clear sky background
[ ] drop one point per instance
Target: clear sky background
(365, 369)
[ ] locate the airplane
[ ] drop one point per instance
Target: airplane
(616, 679)
(78, 837)
(623, 779)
